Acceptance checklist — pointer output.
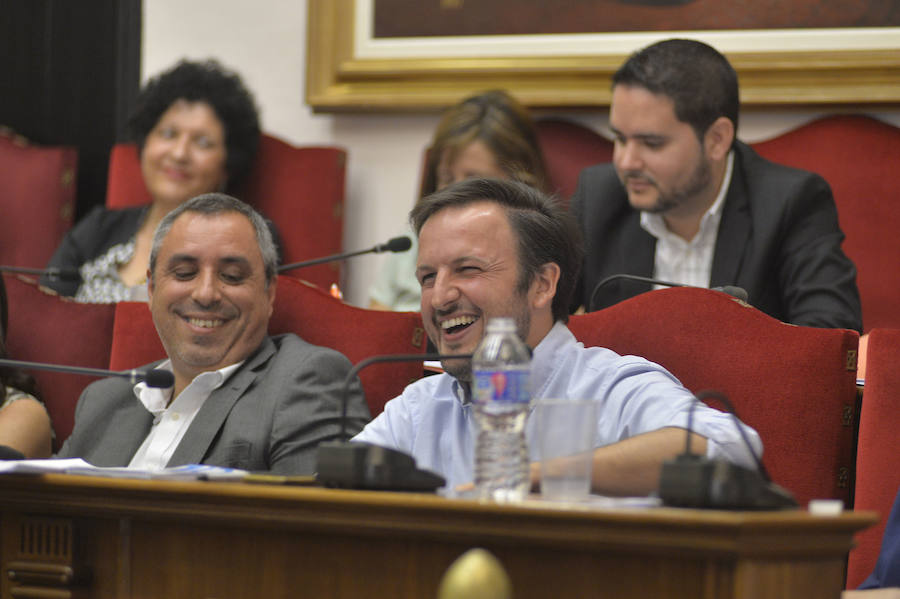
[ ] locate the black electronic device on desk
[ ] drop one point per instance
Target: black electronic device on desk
(365, 466)
(693, 480)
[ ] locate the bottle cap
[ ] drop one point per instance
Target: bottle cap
(501, 324)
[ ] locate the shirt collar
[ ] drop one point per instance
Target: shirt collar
(156, 400)
(542, 361)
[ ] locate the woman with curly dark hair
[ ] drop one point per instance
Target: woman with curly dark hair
(24, 423)
(197, 129)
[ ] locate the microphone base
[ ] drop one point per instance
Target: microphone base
(365, 466)
(697, 482)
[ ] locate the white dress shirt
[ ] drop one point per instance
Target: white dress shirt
(688, 262)
(431, 422)
(171, 421)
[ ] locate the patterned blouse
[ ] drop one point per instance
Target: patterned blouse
(101, 281)
(13, 394)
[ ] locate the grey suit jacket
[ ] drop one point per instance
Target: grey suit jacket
(270, 415)
(779, 239)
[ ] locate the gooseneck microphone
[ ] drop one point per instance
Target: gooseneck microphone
(55, 274)
(693, 480)
(154, 377)
(732, 290)
(359, 465)
(397, 244)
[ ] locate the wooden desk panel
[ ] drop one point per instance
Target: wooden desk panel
(158, 539)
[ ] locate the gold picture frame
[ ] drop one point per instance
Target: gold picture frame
(339, 77)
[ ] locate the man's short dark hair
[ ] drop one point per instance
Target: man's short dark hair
(544, 229)
(209, 82)
(219, 203)
(695, 76)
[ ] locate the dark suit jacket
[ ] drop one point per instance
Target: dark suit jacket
(270, 415)
(778, 239)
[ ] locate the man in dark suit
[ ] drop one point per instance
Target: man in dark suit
(241, 399)
(685, 201)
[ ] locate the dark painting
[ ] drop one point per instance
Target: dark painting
(415, 18)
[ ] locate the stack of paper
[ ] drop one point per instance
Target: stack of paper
(79, 466)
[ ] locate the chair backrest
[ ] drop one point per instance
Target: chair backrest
(44, 327)
(857, 155)
(315, 316)
(878, 449)
(569, 147)
(37, 199)
(301, 189)
(795, 385)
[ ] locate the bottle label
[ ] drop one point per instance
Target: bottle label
(510, 386)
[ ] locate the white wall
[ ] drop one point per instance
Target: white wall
(265, 41)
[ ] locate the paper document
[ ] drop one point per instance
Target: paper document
(79, 466)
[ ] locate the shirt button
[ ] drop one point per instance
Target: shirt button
(176, 416)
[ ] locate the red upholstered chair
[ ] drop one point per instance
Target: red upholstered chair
(46, 328)
(795, 385)
(301, 189)
(315, 316)
(857, 155)
(568, 148)
(878, 450)
(37, 199)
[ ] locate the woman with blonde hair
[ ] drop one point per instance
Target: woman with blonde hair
(485, 135)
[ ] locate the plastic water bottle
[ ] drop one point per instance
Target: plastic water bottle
(501, 367)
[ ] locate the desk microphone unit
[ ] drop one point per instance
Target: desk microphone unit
(359, 465)
(695, 481)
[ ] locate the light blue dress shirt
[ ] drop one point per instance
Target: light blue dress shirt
(432, 422)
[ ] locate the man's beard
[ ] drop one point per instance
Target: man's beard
(698, 182)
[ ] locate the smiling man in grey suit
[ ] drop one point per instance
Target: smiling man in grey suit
(241, 399)
(685, 201)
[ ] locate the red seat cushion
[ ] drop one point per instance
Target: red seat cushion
(568, 148)
(37, 190)
(877, 466)
(795, 385)
(857, 155)
(46, 328)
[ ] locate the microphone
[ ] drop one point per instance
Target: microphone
(154, 377)
(732, 290)
(397, 244)
(693, 480)
(361, 465)
(55, 274)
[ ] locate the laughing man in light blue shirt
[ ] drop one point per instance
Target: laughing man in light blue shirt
(491, 248)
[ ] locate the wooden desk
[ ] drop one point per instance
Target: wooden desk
(127, 538)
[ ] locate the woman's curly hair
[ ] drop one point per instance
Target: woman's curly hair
(206, 81)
